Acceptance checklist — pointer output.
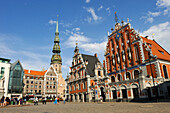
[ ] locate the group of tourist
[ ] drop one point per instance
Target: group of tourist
(14, 101)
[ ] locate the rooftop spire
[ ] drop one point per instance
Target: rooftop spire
(57, 25)
(116, 18)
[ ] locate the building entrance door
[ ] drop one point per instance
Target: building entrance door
(168, 88)
(114, 94)
(149, 93)
(103, 94)
(84, 97)
(135, 93)
(124, 93)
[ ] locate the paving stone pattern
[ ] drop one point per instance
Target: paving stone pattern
(91, 108)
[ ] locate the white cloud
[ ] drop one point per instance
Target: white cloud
(154, 14)
(161, 34)
(101, 7)
(108, 10)
(163, 3)
(94, 47)
(52, 22)
(72, 40)
(93, 14)
(87, 1)
(150, 19)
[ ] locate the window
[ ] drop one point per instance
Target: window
(26, 91)
(27, 81)
(50, 86)
(36, 82)
(47, 82)
(39, 91)
(53, 78)
(119, 77)
(2, 70)
(54, 83)
(98, 73)
(35, 91)
(112, 79)
(54, 87)
(136, 53)
(84, 85)
(47, 87)
(40, 83)
(32, 82)
(136, 74)
(28, 77)
(39, 86)
(36, 78)
(40, 78)
(74, 87)
(161, 52)
(35, 86)
(79, 87)
(31, 91)
(32, 77)
(109, 64)
(27, 86)
(31, 86)
(165, 72)
(128, 76)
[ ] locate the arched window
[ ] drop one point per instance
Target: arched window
(128, 77)
(119, 77)
(136, 74)
(165, 72)
(112, 79)
(136, 53)
(92, 84)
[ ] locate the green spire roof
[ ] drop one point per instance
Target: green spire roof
(56, 58)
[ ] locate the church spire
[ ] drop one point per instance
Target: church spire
(57, 25)
(56, 58)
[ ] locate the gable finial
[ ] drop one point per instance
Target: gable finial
(116, 18)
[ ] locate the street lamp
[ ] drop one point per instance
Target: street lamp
(22, 91)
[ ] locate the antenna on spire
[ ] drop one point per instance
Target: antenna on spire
(57, 24)
(116, 18)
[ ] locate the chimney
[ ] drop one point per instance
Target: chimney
(95, 54)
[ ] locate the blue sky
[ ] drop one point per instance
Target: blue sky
(27, 27)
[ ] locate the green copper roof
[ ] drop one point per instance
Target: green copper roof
(56, 48)
(56, 39)
(56, 59)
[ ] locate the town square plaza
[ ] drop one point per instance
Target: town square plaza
(108, 107)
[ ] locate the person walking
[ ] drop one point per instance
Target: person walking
(55, 102)
(36, 101)
(2, 101)
(64, 100)
(45, 100)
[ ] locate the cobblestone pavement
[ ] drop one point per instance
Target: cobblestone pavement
(91, 108)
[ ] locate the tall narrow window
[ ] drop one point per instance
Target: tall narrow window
(109, 64)
(112, 79)
(128, 76)
(136, 74)
(98, 73)
(136, 53)
(119, 77)
(165, 72)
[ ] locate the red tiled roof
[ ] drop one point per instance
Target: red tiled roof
(157, 49)
(33, 72)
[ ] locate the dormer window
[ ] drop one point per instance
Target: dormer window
(161, 52)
